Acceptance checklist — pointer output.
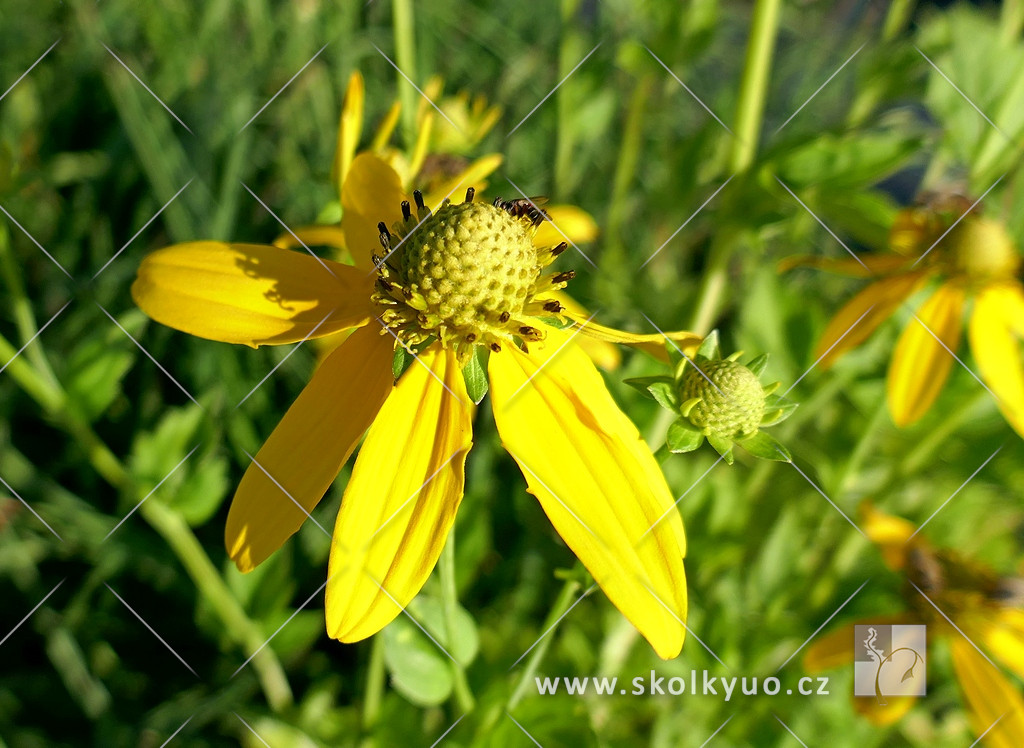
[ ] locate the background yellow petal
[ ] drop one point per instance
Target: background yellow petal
(250, 293)
(868, 266)
(350, 128)
(872, 306)
(996, 326)
(312, 236)
(837, 648)
(573, 223)
(308, 447)
(597, 482)
(475, 175)
(989, 696)
(1001, 632)
(883, 714)
(652, 343)
(920, 364)
(401, 500)
(891, 535)
(372, 193)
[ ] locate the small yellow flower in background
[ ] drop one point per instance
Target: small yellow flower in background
(986, 609)
(464, 288)
(975, 261)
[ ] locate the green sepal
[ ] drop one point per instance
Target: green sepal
(689, 405)
(474, 373)
(758, 364)
(666, 395)
(766, 447)
(723, 446)
(777, 411)
(683, 437)
(642, 384)
(400, 361)
(709, 347)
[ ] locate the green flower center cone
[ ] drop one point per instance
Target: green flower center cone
(731, 399)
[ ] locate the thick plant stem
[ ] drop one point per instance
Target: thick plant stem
(449, 602)
(374, 684)
(405, 60)
(167, 523)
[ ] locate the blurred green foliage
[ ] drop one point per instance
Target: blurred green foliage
(88, 157)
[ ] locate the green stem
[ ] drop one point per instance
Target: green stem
(879, 417)
(449, 602)
(869, 94)
(374, 684)
(405, 59)
(167, 523)
(1012, 21)
(565, 600)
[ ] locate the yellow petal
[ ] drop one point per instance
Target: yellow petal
(652, 343)
(871, 306)
(250, 293)
(1001, 632)
(419, 151)
(303, 455)
(350, 129)
(473, 175)
(924, 355)
(597, 482)
(372, 193)
(604, 354)
(989, 696)
(883, 714)
(996, 324)
(387, 127)
(312, 236)
(401, 500)
(566, 222)
(836, 648)
(868, 266)
(891, 535)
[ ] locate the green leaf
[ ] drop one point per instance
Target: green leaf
(766, 447)
(683, 437)
(474, 373)
(666, 394)
(758, 364)
(709, 347)
(400, 362)
(419, 670)
(777, 410)
(156, 453)
(202, 490)
(723, 446)
(463, 643)
(95, 370)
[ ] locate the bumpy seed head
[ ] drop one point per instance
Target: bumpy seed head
(730, 400)
(467, 274)
(981, 250)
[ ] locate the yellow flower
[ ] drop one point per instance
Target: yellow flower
(978, 603)
(974, 260)
(455, 286)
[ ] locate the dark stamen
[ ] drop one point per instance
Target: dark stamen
(406, 212)
(418, 197)
(383, 229)
(470, 337)
(555, 251)
(470, 194)
(527, 330)
(496, 347)
(504, 317)
(568, 275)
(552, 306)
